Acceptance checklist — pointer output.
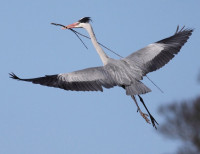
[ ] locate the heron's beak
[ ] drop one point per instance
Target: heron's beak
(71, 26)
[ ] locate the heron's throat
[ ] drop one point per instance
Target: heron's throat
(102, 54)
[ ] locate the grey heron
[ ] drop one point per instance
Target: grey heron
(126, 72)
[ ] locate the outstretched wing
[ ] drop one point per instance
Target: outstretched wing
(156, 55)
(90, 79)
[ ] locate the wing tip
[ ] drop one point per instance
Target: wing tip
(13, 76)
(183, 29)
(181, 35)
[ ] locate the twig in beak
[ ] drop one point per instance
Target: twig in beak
(64, 27)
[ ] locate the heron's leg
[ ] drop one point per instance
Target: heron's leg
(144, 115)
(153, 121)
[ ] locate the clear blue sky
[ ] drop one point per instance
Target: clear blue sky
(40, 120)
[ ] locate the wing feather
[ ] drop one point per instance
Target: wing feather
(90, 79)
(156, 55)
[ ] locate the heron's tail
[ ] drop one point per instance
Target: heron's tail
(137, 88)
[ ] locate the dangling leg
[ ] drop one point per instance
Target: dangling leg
(145, 116)
(153, 121)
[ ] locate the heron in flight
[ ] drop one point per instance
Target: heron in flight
(126, 72)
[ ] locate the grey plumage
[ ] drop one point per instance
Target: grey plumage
(93, 79)
(90, 79)
(126, 72)
(156, 55)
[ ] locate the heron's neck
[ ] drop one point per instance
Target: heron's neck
(102, 54)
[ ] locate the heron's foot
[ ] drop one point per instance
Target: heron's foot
(153, 121)
(145, 116)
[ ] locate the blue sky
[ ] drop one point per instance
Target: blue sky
(37, 119)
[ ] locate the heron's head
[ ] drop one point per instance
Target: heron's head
(79, 24)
